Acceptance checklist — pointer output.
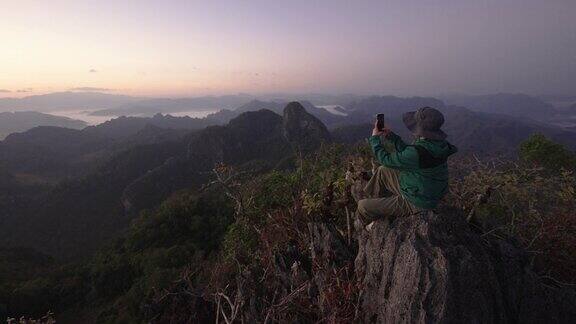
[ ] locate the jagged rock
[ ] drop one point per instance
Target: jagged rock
(303, 129)
(327, 246)
(330, 256)
(420, 269)
(435, 269)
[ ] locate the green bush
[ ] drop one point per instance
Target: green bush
(534, 205)
(541, 151)
(112, 275)
(159, 245)
(240, 242)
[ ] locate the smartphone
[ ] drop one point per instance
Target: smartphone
(380, 122)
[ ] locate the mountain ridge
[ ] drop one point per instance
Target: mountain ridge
(20, 121)
(106, 199)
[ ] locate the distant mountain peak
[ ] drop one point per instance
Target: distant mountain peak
(294, 107)
(303, 129)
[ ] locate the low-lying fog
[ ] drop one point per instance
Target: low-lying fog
(85, 115)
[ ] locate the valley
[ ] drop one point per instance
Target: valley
(70, 193)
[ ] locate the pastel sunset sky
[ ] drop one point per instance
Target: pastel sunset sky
(182, 48)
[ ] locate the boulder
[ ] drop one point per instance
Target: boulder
(434, 269)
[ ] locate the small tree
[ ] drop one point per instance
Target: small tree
(541, 151)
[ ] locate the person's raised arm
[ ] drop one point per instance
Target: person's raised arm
(399, 144)
(403, 158)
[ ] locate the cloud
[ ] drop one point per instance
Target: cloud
(91, 89)
(5, 90)
(92, 71)
(24, 90)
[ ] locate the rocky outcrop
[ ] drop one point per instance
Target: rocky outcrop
(435, 269)
(420, 269)
(302, 129)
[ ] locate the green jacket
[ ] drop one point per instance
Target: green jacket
(422, 165)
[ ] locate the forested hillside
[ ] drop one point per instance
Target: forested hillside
(254, 220)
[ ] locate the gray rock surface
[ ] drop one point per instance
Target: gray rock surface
(420, 269)
(435, 269)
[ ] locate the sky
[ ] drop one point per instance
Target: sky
(183, 48)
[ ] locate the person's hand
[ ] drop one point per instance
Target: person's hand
(377, 132)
